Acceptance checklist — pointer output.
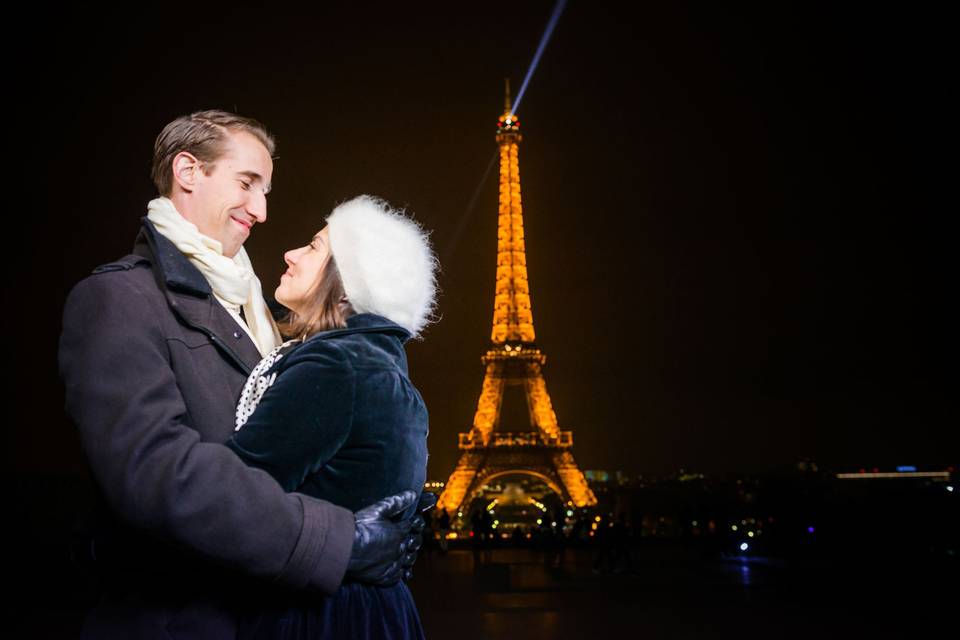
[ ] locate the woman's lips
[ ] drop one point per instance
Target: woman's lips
(243, 224)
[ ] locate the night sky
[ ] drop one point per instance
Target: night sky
(731, 229)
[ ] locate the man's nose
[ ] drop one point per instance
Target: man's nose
(257, 206)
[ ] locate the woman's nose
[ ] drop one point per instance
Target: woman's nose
(291, 257)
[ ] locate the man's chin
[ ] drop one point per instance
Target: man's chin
(230, 250)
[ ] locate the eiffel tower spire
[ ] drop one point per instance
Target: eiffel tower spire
(512, 313)
(513, 359)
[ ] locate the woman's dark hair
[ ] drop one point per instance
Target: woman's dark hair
(326, 306)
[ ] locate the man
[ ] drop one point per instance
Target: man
(154, 352)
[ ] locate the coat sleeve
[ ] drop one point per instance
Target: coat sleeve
(154, 470)
(303, 418)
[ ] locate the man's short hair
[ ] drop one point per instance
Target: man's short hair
(203, 134)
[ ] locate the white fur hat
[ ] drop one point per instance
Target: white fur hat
(385, 262)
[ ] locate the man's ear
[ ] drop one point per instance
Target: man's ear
(186, 170)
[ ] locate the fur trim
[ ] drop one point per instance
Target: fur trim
(385, 262)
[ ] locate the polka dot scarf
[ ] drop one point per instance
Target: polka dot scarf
(260, 380)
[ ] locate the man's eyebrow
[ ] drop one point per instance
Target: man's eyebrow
(256, 177)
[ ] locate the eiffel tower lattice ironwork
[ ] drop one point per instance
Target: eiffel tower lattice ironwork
(487, 452)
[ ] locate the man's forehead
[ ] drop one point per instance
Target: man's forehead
(245, 145)
(245, 154)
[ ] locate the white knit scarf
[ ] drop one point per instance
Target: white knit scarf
(234, 283)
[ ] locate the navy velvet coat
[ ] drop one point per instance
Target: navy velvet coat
(152, 367)
(341, 420)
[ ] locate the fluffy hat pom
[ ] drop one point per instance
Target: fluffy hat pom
(385, 262)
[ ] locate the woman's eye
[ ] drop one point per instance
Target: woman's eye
(246, 185)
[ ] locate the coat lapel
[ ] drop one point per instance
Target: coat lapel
(223, 325)
(191, 298)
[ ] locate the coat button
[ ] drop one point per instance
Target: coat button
(236, 334)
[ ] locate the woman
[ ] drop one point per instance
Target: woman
(332, 412)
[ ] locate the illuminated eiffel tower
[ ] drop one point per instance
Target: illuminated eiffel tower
(487, 452)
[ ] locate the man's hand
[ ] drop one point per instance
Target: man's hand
(385, 546)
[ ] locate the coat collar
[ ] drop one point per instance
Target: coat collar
(174, 268)
(190, 297)
(365, 323)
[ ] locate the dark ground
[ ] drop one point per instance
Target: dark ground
(672, 592)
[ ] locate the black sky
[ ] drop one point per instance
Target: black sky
(731, 231)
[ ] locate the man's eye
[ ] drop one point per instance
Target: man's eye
(246, 185)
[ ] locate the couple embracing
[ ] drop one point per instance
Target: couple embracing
(258, 476)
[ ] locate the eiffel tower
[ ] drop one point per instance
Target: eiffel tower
(513, 359)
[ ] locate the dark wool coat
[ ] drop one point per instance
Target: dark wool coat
(153, 366)
(341, 419)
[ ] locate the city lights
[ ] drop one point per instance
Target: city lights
(863, 474)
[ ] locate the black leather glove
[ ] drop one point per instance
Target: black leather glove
(382, 541)
(413, 542)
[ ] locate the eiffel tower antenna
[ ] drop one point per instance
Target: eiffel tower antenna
(506, 96)
(513, 359)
